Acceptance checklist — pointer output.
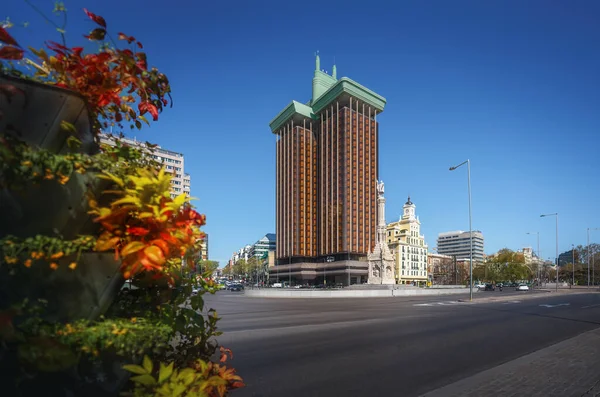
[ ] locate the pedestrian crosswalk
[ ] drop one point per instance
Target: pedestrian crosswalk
(450, 303)
(444, 303)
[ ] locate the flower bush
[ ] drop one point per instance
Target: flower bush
(146, 227)
(153, 236)
(113, 80)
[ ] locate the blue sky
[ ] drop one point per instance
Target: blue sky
(512, 85)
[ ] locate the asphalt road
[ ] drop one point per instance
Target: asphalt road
(396, 346)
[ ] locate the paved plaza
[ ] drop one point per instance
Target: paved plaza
(533, 344)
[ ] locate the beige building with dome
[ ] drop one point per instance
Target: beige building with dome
(408, 245)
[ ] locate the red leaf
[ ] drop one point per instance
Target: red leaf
(77, 50)
(153, 111)
(140, 45)
(143, 107)
(11, 53)
(54, 46)
(96, 18)
(138, 231)
(6, 38)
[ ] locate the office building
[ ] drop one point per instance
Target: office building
(457, 243)
(566, 258)
(326, 174)
(262, 247)
(408, 245)
(173, 162)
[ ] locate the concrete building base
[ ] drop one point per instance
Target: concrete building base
(351, 293)
(346, 272)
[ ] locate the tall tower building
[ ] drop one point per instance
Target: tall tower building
(327, 171)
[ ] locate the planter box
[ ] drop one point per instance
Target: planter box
(85, 292)
(34, 113)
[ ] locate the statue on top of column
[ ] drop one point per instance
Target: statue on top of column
(380, 188)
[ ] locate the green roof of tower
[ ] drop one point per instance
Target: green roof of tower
(326, 89)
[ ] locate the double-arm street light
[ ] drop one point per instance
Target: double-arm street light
(588, 256)
(556, 215)
(538, 254)
(468, 163)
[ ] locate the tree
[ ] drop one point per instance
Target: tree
(255, 266)
(508, 265)
(206, 266)
(241, 268)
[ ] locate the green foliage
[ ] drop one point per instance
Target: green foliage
(195, 328)
(21, 164)
(241, 268)
(165, 322)
(43, 248)
(126, 337)
(207, 267)
(506, 265)
(199, 379)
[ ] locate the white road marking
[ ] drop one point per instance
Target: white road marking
(445, 303)
(586, 307)
(560, 304)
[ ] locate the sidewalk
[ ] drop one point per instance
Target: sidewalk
(568, 368)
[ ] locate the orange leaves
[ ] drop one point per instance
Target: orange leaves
(132, 247)
(147, 228)
(105, 242)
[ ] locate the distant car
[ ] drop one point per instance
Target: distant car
(480, 286)
(522, 287)
(236, 287)
(489, 287)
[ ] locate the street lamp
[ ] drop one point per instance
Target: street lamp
(588, 256)
(573, 253)
(556, 215)
(468, 163)
(538, 254)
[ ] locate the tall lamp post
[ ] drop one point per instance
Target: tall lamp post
(538, 255)
(468, 163)
(588, 255)
(556, 215)
(573, 260)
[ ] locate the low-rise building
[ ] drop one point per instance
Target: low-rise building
(441, 269)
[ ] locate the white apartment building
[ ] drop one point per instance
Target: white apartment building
(172, 161)
(457, 243)
(408, 245)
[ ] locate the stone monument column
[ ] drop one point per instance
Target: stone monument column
(382, 264)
